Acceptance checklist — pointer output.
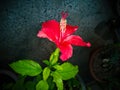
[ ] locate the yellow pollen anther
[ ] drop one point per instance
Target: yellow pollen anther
(63, 23)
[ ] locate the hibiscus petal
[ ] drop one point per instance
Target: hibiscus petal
(43, 35)
(51, 30)
(76, 40)
(70, 29)
(66, 51)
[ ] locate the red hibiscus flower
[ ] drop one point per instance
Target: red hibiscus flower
(60, 34)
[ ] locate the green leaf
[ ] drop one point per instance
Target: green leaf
(42, 85)
(19, 85)
(51, 83)
(46, 62)
(46, 73)
(54, 56)
(26, 67)
(69, 71)
(56, 52)
(58, 80)
(73, 82)
(51, 56)
(30, 85)
(38, 78)
(58, 67)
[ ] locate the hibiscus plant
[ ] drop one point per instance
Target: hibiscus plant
(54, 74)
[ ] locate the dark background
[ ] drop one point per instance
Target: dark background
(20, 21)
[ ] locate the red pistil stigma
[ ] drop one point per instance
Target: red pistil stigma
(64, 15)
